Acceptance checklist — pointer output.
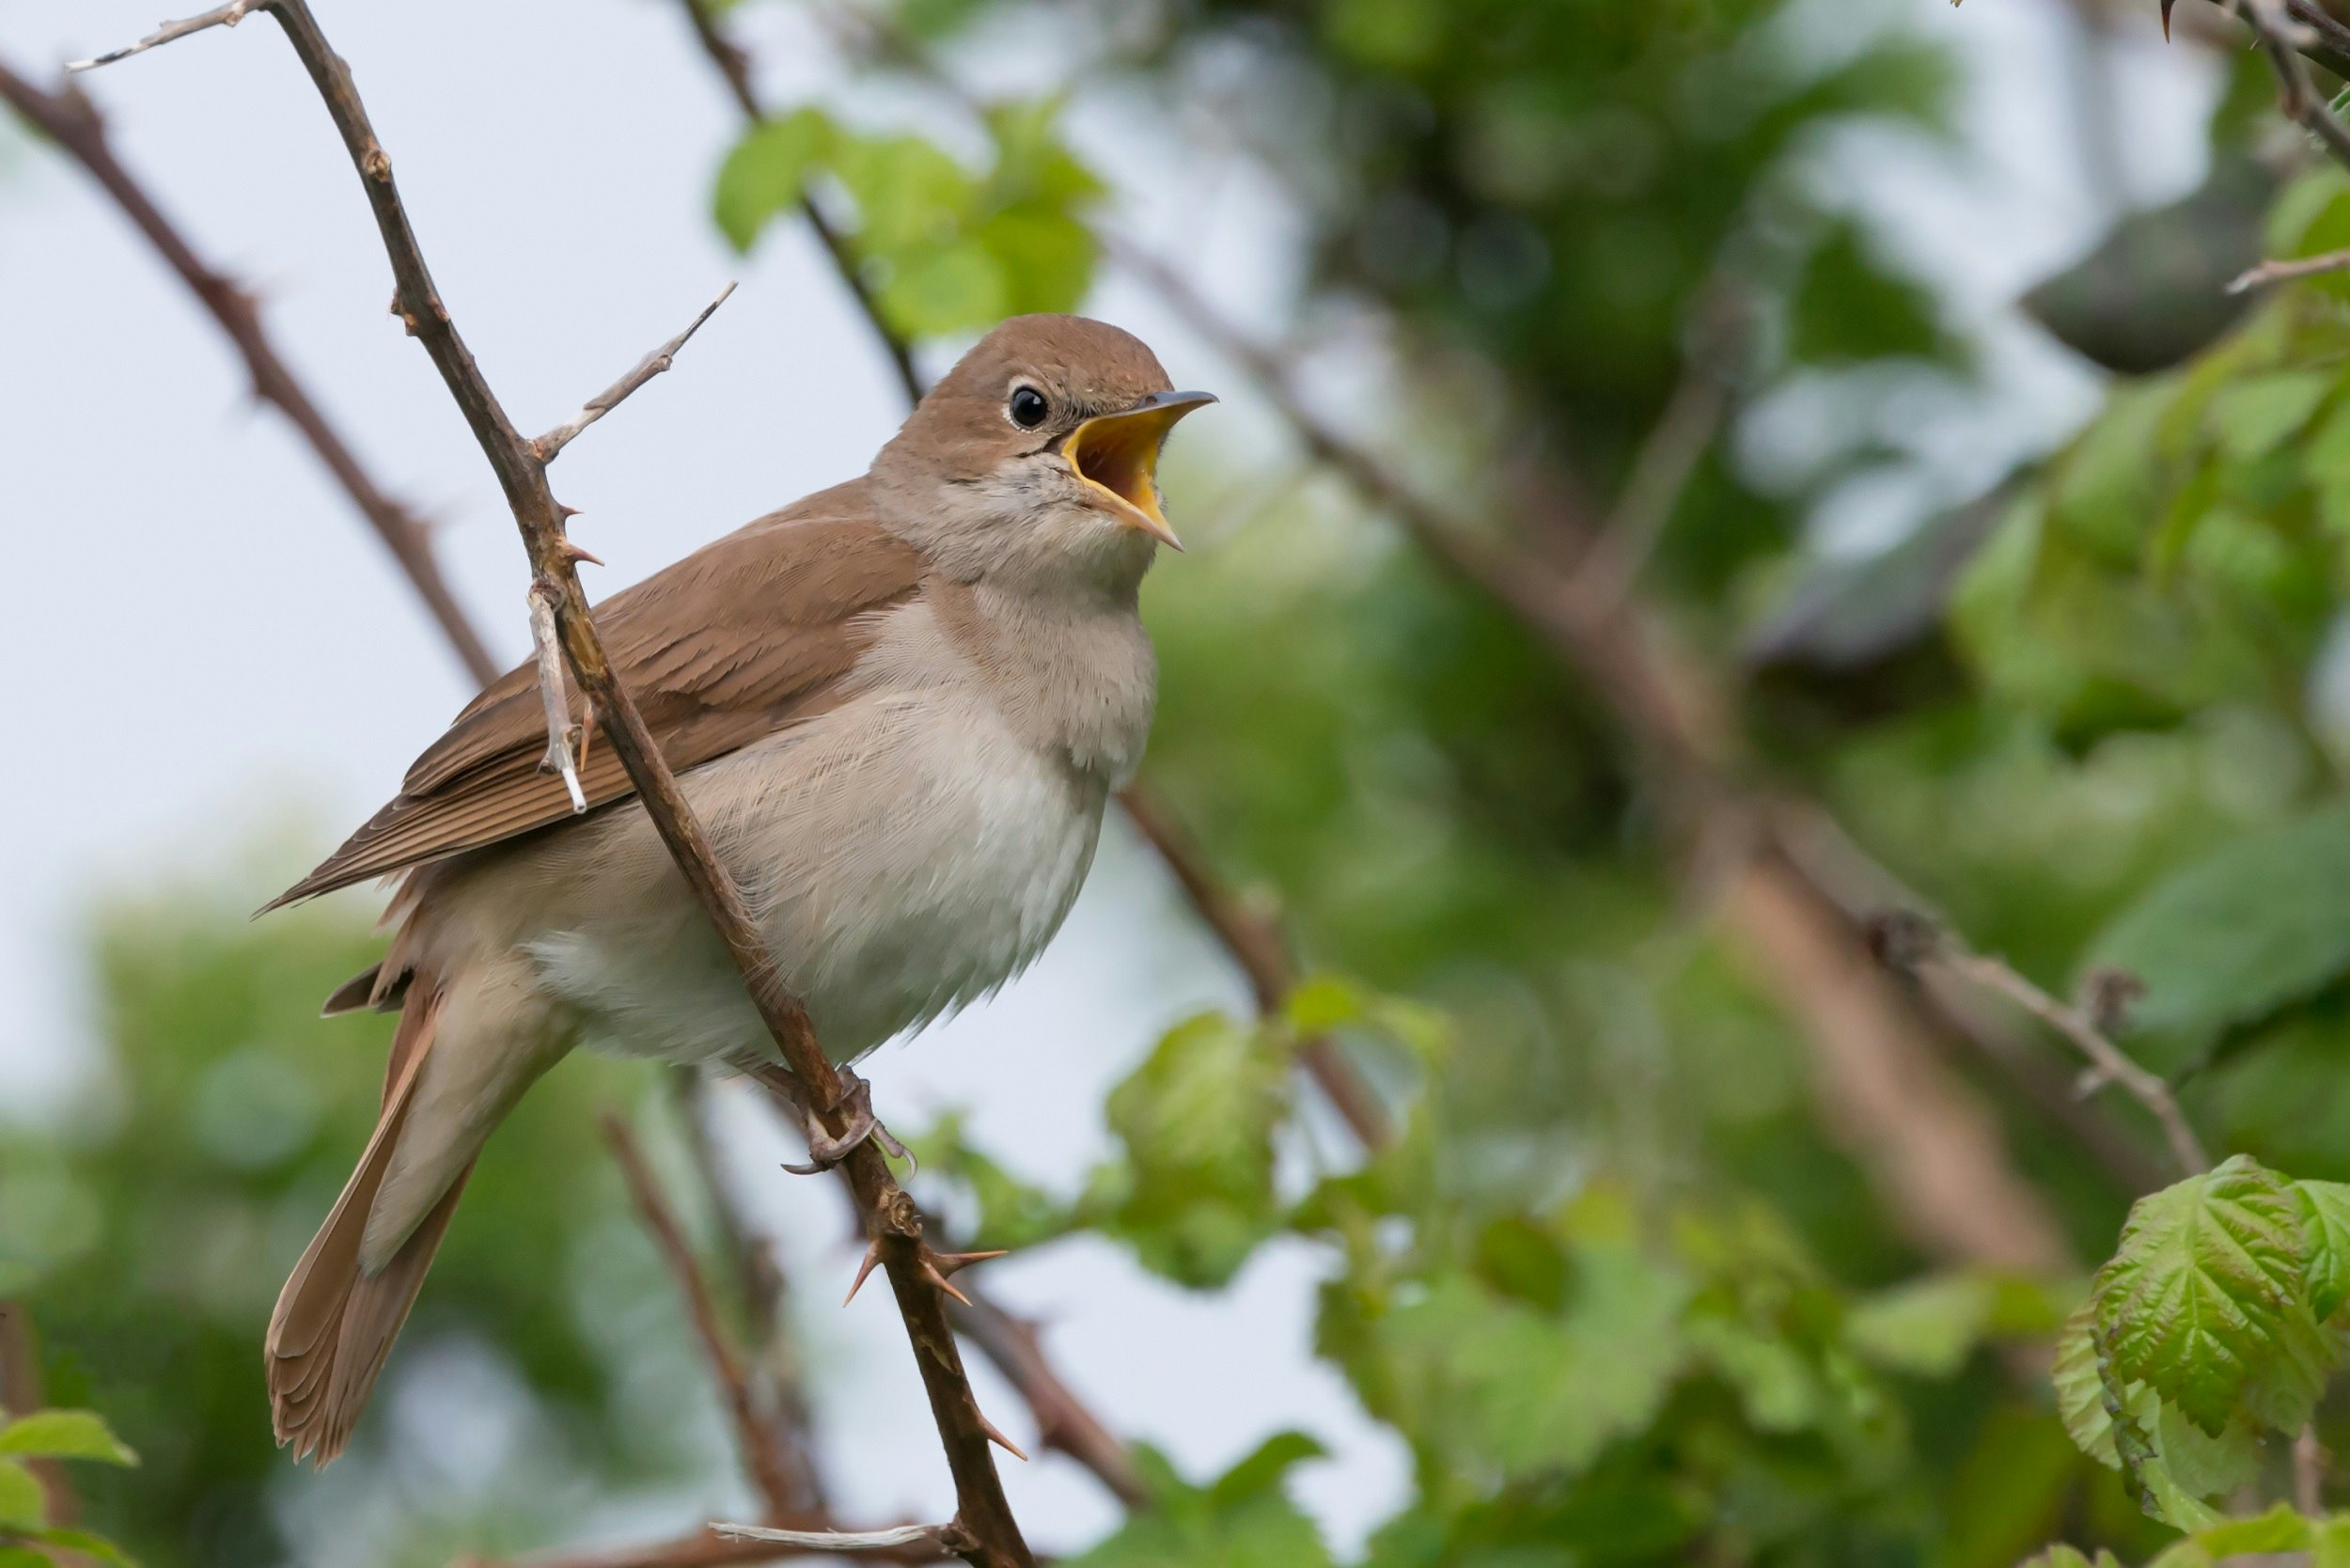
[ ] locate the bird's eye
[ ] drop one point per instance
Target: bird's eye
(1028, 407)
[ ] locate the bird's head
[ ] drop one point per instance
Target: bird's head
(1037, 456)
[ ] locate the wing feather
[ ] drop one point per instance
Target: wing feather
(748, 636)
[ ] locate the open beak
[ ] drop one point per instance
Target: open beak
(1118, 454)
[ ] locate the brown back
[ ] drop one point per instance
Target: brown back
(742, 638)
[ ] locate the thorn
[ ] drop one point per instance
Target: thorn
(873, 1256)
(1000, 1440)
(580, 551)
(566, 513)
(955, 1262)
(930, 1272)
(2165, 21)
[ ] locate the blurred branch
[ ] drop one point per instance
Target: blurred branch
(1063, 1422)
(1254, 940)
(734, 64)
(775, 1472)
(758, 1282)
(984, 1530)
(704, 1549)
(68, 118)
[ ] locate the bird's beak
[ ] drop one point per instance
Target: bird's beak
(1118, 454)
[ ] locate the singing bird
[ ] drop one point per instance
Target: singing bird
(899, 707)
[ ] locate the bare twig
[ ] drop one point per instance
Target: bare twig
(606, 400)
(704, 1549)
(224, 16)
(984, 1518)
(563, 736)
(2286, 270)
(2309, 1471)
(73, 122)
(1913, 941)
(771, 1471)
(839, 1541)
(2283, 34)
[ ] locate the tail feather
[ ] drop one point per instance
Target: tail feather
(335, 1322)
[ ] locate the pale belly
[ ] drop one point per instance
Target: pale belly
(904, 856)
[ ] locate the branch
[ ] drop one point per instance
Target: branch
(773, 1471)
(73, 122)
(21, 1395)
(1906, 940)
(985, 1518)
(841, 1540)
(563, 736)
(734, 64)
(609, 399)
(704, 1549)
(224, 16)
(2283, 33)
(1063, 1421)
(2285, 271)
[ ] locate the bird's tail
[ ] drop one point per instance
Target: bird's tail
(336, 1318)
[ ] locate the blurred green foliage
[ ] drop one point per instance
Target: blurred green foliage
(148, 1226)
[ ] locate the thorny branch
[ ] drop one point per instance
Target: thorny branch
(984, 1530)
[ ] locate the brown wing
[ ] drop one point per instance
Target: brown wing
(738, 640)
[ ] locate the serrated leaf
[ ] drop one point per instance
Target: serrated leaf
(2195, 1298)
(2262, 922)
(2081, 1390)
(767, 171)
(65, 1435)
(23, 1504)
(2325, 1224)
(1243, 1521)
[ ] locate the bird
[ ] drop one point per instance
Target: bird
(898, 706)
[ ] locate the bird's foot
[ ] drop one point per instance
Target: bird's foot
(826, 1151)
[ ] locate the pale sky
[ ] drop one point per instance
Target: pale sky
(221, 656)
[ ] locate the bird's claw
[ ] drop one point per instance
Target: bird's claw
(825, 1151)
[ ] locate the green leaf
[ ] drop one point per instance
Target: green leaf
(2080, 1388)
(950, 290)
(2253, 416)
(1848, 307)
(2262, 922)
(23, 1504)
(1927, 1327)
(2069, 1557)
(65, 1435)
(2329, 1545)
(2279, 1529)
(1197, 1120)
(911, 197)
(1265, 1469)
(767, 171)
(24, 1557)
(2325, 1227)
(2195, 1299)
